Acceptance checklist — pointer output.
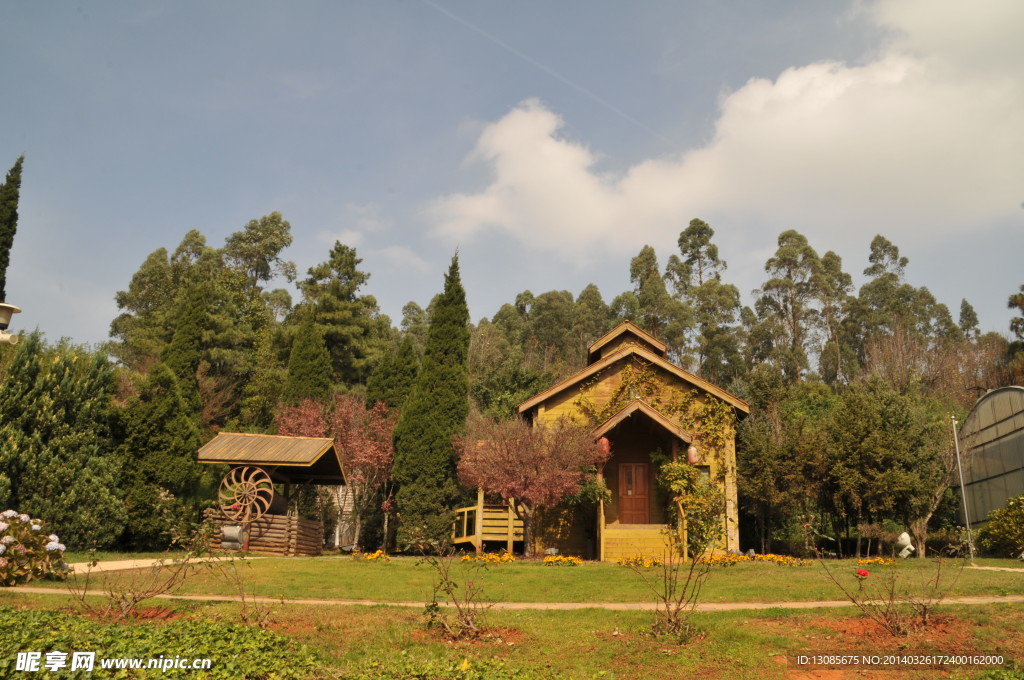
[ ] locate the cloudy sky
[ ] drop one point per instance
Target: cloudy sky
(547, 141)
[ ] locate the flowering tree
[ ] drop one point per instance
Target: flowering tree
(363, 438)
(534, 467)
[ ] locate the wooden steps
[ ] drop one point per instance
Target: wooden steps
(634, 540)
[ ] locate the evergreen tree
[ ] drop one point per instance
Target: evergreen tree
(434, 414)
(263, 389)
(393, 378)
(158, 453)
(56, 458)
(184, 353)
(309, 366)
(9, 193)
(351, 324)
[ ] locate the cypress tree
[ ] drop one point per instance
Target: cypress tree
(9, 192)
(263, 389)
(392, 379)
(158, 452)
(183, 354)
(309, 366)
(434, 414)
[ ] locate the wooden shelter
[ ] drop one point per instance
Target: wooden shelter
(642, 403)
(252, 512)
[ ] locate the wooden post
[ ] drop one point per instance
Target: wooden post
(478, 531)
(512, 525)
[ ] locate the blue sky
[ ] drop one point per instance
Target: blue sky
(548, 142)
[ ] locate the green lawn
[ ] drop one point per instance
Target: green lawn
(406, 579)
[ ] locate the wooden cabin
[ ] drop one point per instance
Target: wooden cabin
(650, 410)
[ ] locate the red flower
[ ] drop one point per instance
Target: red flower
(862, 573)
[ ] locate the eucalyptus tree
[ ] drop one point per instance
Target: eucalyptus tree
(785, 304)
(713, 347)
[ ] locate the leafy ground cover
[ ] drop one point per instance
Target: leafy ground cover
(384, 642)
(406, 579)
(381, 642)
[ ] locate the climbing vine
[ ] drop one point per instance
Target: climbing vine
(710, 421)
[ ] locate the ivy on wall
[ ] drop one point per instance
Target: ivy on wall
(710, 421)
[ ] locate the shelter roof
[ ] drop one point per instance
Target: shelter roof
(626, 327)
(303, 459)
(640, 406)
(643, 353)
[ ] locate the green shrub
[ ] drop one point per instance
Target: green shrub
(1004, 533)
(26, 550)
(235, 651)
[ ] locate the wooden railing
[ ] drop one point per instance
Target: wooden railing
(481, 522)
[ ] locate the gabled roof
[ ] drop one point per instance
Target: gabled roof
(308, 459)
(642, 353)
(638, 405)
(626, 327)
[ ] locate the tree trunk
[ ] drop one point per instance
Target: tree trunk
(858, 533)
(527, 514)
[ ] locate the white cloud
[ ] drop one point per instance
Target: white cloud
(358, 220)
(402, 258)
(922, 140)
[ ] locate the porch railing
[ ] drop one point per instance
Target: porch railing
(478, 523)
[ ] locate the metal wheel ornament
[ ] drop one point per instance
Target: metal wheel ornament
(245, 493)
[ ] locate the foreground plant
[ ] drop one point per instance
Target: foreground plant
(124, 590)
(462, 591)
(699, 508)
(895, 600)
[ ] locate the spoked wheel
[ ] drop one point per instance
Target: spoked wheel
(246, 493)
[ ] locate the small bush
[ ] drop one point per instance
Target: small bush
(1003, 535)
(27, 551)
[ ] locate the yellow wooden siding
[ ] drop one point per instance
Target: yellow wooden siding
(626, 540)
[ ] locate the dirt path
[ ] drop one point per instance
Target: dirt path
(614, 606)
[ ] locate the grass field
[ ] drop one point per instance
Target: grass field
(592, 643)
(406, 579)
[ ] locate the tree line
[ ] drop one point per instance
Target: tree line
(850, 390)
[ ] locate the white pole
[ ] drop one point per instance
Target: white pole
(963, 491)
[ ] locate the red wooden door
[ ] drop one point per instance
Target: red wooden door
(634, 505)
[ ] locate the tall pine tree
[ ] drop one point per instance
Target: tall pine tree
(9, 192)
(309, 366)
(392, 379)
(434, 414)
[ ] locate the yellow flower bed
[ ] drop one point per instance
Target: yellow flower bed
(640, 562)
(378, 556)
(882, 561)
(727, 560)
(562, 561)
(490, 558)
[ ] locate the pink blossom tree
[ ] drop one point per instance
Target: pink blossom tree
(363, 438)
(534, 467)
